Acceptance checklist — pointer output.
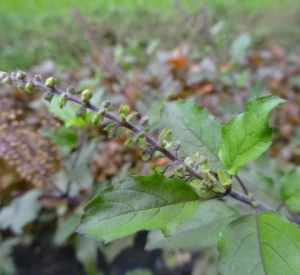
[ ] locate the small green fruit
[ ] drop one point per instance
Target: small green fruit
(71, 90)
(105, 104)
(29, 87)
(21, 87)
(38, 78)
(223, 177)
(254, 204)
(50, 82)
(81, 112)
(62, 100)
(20, 75)
(124, 109)
(189, 162)
(98, 117)
(3, 75)
(86, 95)
(48, 96)
(7, 80)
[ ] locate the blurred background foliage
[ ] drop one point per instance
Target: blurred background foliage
(34, 30)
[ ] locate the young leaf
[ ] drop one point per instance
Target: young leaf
(203, 229)
(141, 202)
(66, 229)
(263, 244)
(21, 211)
(196, 128)
(290, 190)
(246, 136)
(67, 114)
(240, 46)
(62, 136)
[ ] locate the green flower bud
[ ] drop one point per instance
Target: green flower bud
(129, 142)
(20, 75)
(175, 145)
(62, 100)
(7, 80)
(105, 104)
(254, 204)
(223, 177)
(160, 169)
(164, 143)
(50, 82)
(38, 78)
(122, 117)
(131, 116)
(124, 109)
(169, 173)
(146, 156)
(111, 129)
(3, 75)
(218, 189)
(48, 96)
(158, 154)
(81, 112)
(71, 90)
(189, 162)
(203, 164)
(165, 133)
(21, 87)
(86, 95)
(142, 142)
(144, 122)
(180, 167)
(196, 183)
(29, 87)
(98, 117)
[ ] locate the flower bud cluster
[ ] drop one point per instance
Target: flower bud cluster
(195, 167)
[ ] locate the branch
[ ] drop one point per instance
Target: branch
(110, 116)
(10, 79)
(245, 199)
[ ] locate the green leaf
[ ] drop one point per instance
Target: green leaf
(6, 249)
(203, 229)
(263, 244)
(141, 202)
(21, 211)
(63, 136)
(66, 229)
(246, 136)
(240, 46)
(196, 128)
(67, 115)
(86, 253)
(290, 190)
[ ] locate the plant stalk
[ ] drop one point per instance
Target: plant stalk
(234, 194)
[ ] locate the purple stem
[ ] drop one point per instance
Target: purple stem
(234, 194)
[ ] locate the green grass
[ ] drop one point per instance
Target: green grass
(34, 30)
(21, 6)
